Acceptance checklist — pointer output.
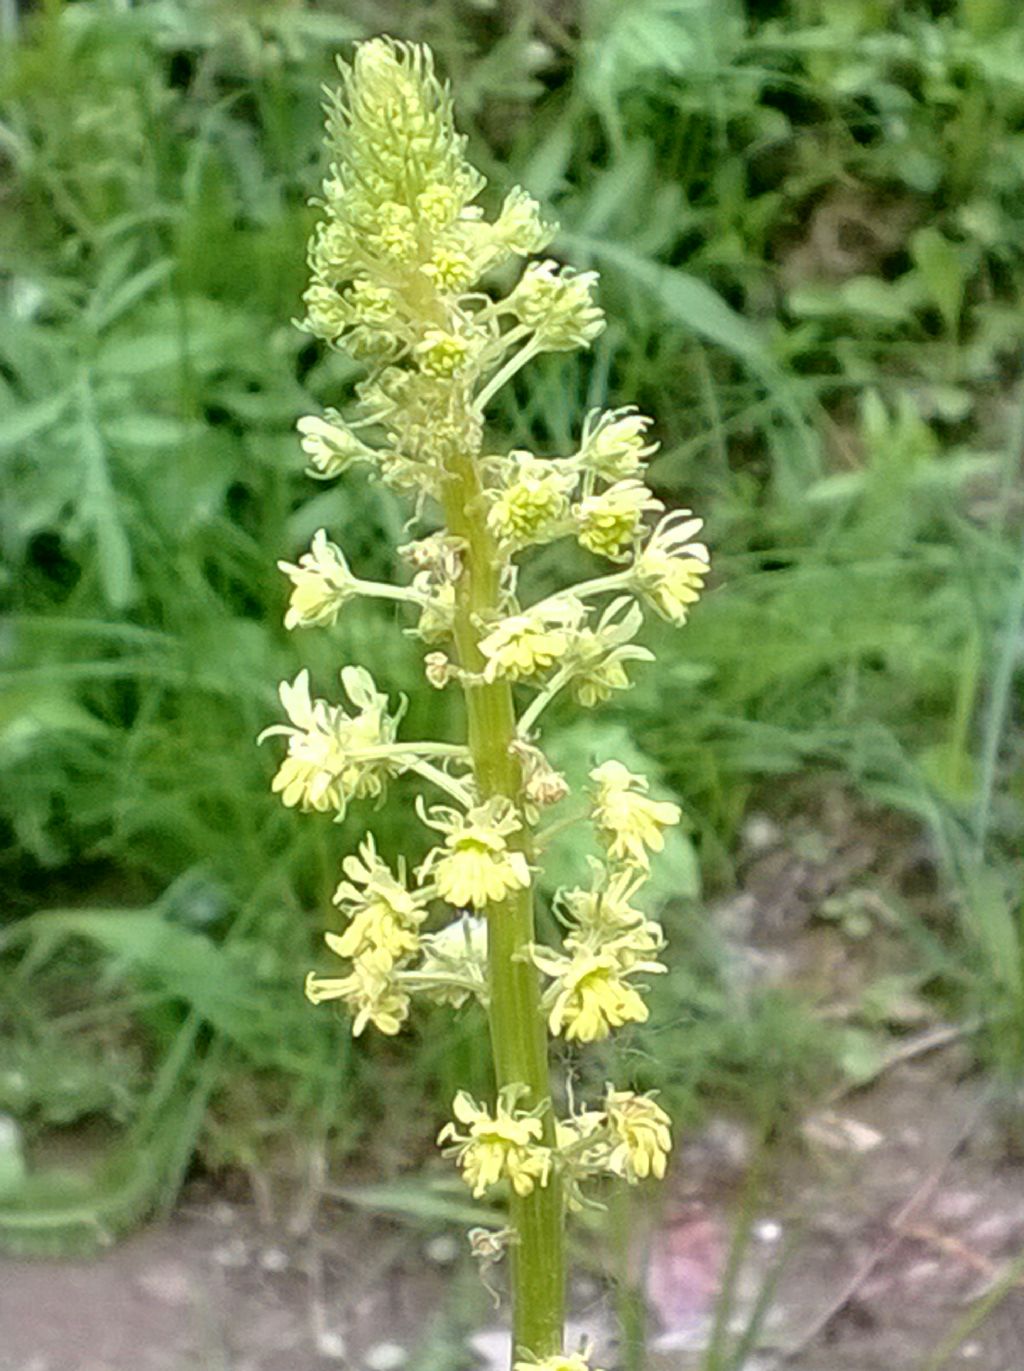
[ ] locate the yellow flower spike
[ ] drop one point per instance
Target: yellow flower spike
(641, 1136)
(629, 823)
(505, 1146)
(397, 278)
(398, 160)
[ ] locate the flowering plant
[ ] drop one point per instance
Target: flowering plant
(397, 261)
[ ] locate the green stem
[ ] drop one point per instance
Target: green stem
(518, 1034)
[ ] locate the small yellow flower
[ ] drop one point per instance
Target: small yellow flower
(581, 1141)
(330, 446)
(597, 657)
(533, 504)
(628, 821)
(640, 1134)
(437, 205)
(371, 305)
(476, 867)
(591, 993)
(369, 996)
(633, 947)
(602, 918)
(608, 523)
(528, 643)
(557, 303)
(451, 268)
(579, 1128)
(613, 445)
(442, 354)
(606, 907)
(394, 231)
(670, 569)
(519, 228)
(598, 683)
(375, 938)
(323, 769)
(505, 1146)
(384, 915)
(327, 315)
(321, 584)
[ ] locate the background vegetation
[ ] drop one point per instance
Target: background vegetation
(806, 215)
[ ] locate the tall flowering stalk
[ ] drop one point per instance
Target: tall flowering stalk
(397, 262)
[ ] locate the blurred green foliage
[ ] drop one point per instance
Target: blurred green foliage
(807, 221)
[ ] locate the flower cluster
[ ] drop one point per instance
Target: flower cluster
(334, 757)
(390, 956)
(629, 823)
(505, 1146)
(524, 645)
(476, 865)
(670, 570)
(402, 269)
(608, 944)
(628, 1138)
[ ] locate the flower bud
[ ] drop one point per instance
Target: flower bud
(613, 444)
(330, 445)
(321, 584)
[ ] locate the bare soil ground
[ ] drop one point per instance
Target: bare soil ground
(885, 1241)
